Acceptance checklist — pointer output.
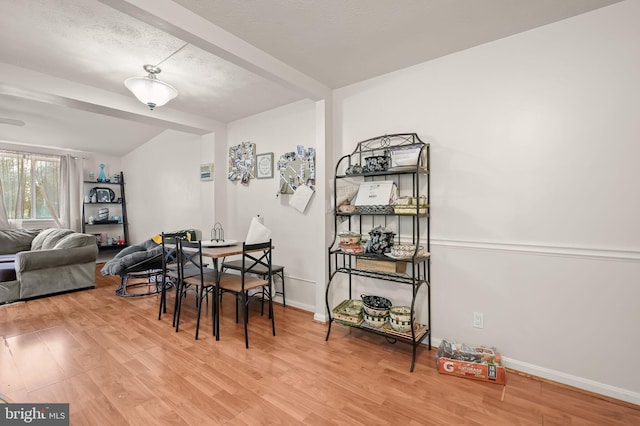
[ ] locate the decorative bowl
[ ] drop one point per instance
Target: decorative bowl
(401, 326)
(103, 213)
(375, 321)
(350, 238)
(354, 169)
(352, 248)
(405, 250)
(376, 312)
(400, 313)
(377, 163)
(376, 305)
(380, 240)
(376, 302)
(347, 208)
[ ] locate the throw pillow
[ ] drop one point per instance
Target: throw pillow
(75, 240)
(48, 238)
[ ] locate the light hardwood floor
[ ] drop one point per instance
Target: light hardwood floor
(115, 363)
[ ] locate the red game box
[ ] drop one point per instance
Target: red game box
(478, 363)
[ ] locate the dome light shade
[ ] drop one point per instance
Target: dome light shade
(149, 90)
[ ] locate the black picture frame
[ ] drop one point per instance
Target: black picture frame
(103, 195)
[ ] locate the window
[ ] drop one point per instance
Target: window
(30, 185)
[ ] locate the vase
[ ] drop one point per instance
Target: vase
(102, 177)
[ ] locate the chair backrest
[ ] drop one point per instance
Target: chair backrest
(256, 255)
(190, 256)
(169, 249)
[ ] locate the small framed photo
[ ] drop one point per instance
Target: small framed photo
(206, 171)
(264, 166)
(103, 195)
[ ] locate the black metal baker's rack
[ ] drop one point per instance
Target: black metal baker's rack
(419, 271)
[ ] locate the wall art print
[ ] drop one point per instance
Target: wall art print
(264, 165)
(297, 168)
(242, 162)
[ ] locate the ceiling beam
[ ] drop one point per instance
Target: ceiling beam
(194, 29)
(36, 86)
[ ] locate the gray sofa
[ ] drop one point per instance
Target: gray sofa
(43, 262)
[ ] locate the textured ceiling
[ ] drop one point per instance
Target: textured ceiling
(63, 62)
(340, 42)
(93, 44)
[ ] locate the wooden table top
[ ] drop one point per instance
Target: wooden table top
(224, 251)
(218, 252)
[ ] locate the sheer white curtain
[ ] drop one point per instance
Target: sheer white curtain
(71, 192)
(67, 190)
(40, 188)
(47, 177)
(12, 184)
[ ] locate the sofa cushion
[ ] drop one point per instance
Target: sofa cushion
(15, 240)
(48, 238)
(75, 240)
(7, 272)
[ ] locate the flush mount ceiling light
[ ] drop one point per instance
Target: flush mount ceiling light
(149, 90)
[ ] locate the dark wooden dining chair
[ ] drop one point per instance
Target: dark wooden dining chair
(170, 271)
(253, 255)
(276, 271)
(202, 283)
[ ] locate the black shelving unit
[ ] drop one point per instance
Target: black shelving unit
(113, 227)
(417, 273)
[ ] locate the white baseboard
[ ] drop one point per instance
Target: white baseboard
(320, 317)
(567, 379)
(293, 303)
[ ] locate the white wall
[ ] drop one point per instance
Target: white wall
(534, 202)
(295, 235)
(163, 187)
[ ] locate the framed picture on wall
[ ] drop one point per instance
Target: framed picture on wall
(103, 195)
(264, 166)
(206, 171)
(242, 162)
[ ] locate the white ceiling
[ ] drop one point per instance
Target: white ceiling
(63, 62)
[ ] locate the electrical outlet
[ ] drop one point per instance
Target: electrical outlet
(478, 320)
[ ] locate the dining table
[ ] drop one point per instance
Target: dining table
(219, 250)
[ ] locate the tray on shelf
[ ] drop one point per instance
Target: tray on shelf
(420, 330)
(345, 312)
(410, 210)
(375, 209)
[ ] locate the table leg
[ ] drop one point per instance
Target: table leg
(216, 291)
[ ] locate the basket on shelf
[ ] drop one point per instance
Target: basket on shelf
(377, 209)
(411, 205)
(348, 312)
